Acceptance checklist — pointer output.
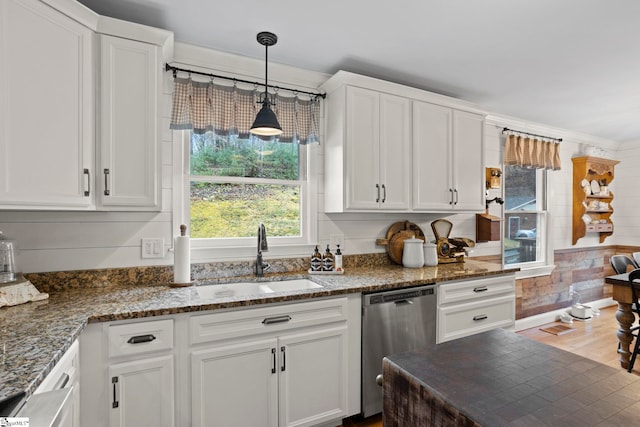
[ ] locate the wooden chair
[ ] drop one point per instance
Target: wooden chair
(621, 262)
(635, 308)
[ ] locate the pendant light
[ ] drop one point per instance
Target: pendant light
(266, 122)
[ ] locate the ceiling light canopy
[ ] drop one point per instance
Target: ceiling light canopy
(266, 122)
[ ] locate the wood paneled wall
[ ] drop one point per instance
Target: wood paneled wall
(584, 268)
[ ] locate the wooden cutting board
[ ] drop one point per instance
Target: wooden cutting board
(395, 237)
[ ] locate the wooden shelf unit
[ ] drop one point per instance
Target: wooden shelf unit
(591, 168)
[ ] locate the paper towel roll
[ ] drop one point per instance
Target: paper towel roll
(182, 259)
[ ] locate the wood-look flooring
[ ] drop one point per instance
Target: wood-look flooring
(594, 339)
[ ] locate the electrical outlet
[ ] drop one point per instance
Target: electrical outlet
(152, 247)
(335, 240)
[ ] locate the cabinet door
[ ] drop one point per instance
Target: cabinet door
(362, 147)
(395, 152)
(142, 393)
(235, 385)
(313, 375)
(468, 161)
(432, 185)
(129, 160)
(46, 108)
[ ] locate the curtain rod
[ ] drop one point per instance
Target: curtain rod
(530, 134)
(175, 70)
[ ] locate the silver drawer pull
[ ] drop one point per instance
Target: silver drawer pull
(480, 289)
(480, 317)
(277, 319)
(141, 338)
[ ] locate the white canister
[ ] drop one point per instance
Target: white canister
(412, 253)
(430, 255)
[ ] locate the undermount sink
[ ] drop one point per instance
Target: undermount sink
(240, 289)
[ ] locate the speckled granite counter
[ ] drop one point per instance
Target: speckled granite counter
(35, 335)
(499, 378)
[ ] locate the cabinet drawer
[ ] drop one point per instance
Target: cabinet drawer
(475, 289)
(233, 324)
(140, 337)
(461, 320)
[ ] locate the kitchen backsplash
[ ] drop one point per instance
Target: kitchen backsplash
(163, 275)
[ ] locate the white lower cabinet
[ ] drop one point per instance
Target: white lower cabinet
(291, 364)
(288, 364)
(142, 393)
(472, 306)
(128, 374)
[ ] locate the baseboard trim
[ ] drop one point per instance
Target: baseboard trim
(552, 316)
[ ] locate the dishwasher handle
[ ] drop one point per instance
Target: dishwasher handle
(403, 302)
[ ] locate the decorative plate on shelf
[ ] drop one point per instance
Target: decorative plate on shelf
(595, 187)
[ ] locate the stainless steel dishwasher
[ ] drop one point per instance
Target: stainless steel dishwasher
(393, 322)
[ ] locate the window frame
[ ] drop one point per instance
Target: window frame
(203, 249)
(542, 266)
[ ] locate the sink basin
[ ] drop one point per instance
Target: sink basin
(242, 289)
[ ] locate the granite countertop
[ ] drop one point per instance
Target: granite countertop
(499, 378)
(35, 335)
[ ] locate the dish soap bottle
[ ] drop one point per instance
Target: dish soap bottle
(316, 260)
(328, 261)
(338, 259)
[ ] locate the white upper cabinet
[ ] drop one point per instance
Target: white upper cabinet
(400, 149)
(448, 159)
(128, 154)
(46, 109)
(367, 151)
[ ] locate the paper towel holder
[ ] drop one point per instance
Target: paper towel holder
(182, 284)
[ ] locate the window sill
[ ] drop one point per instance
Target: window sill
(544, 270)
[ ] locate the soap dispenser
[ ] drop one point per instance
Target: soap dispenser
(316, 260)
(328, 260)
(338, 259)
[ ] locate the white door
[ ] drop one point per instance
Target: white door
(129, 160)
(313, 375)
(46, 108)
(395, 152)
(142, 393)
(235, 385)
(468, 161)
(362, 141)
(432, 186)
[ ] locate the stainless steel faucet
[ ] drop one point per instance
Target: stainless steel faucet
(262, 246)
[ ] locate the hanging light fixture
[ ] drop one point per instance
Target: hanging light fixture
(266, 122)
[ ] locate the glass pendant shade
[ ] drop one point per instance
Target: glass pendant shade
(266, 122)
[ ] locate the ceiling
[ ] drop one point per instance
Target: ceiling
(572, 64)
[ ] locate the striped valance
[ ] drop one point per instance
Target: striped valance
(527, 151)
(205, 106)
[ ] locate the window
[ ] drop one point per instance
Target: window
(525, 225)
(234, 184)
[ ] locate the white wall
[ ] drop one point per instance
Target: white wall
(626, 192)
(53, 241)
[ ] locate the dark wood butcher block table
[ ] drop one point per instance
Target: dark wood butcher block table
(500, 378)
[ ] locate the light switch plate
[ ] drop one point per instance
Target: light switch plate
(152, 247)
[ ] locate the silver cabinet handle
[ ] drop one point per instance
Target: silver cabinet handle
(480, 289)
(456, 193)
(480, 317)
(106, 182)
(276, 319)
(88, 191)
(378, 191)
(384, 193)
(451, 196)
